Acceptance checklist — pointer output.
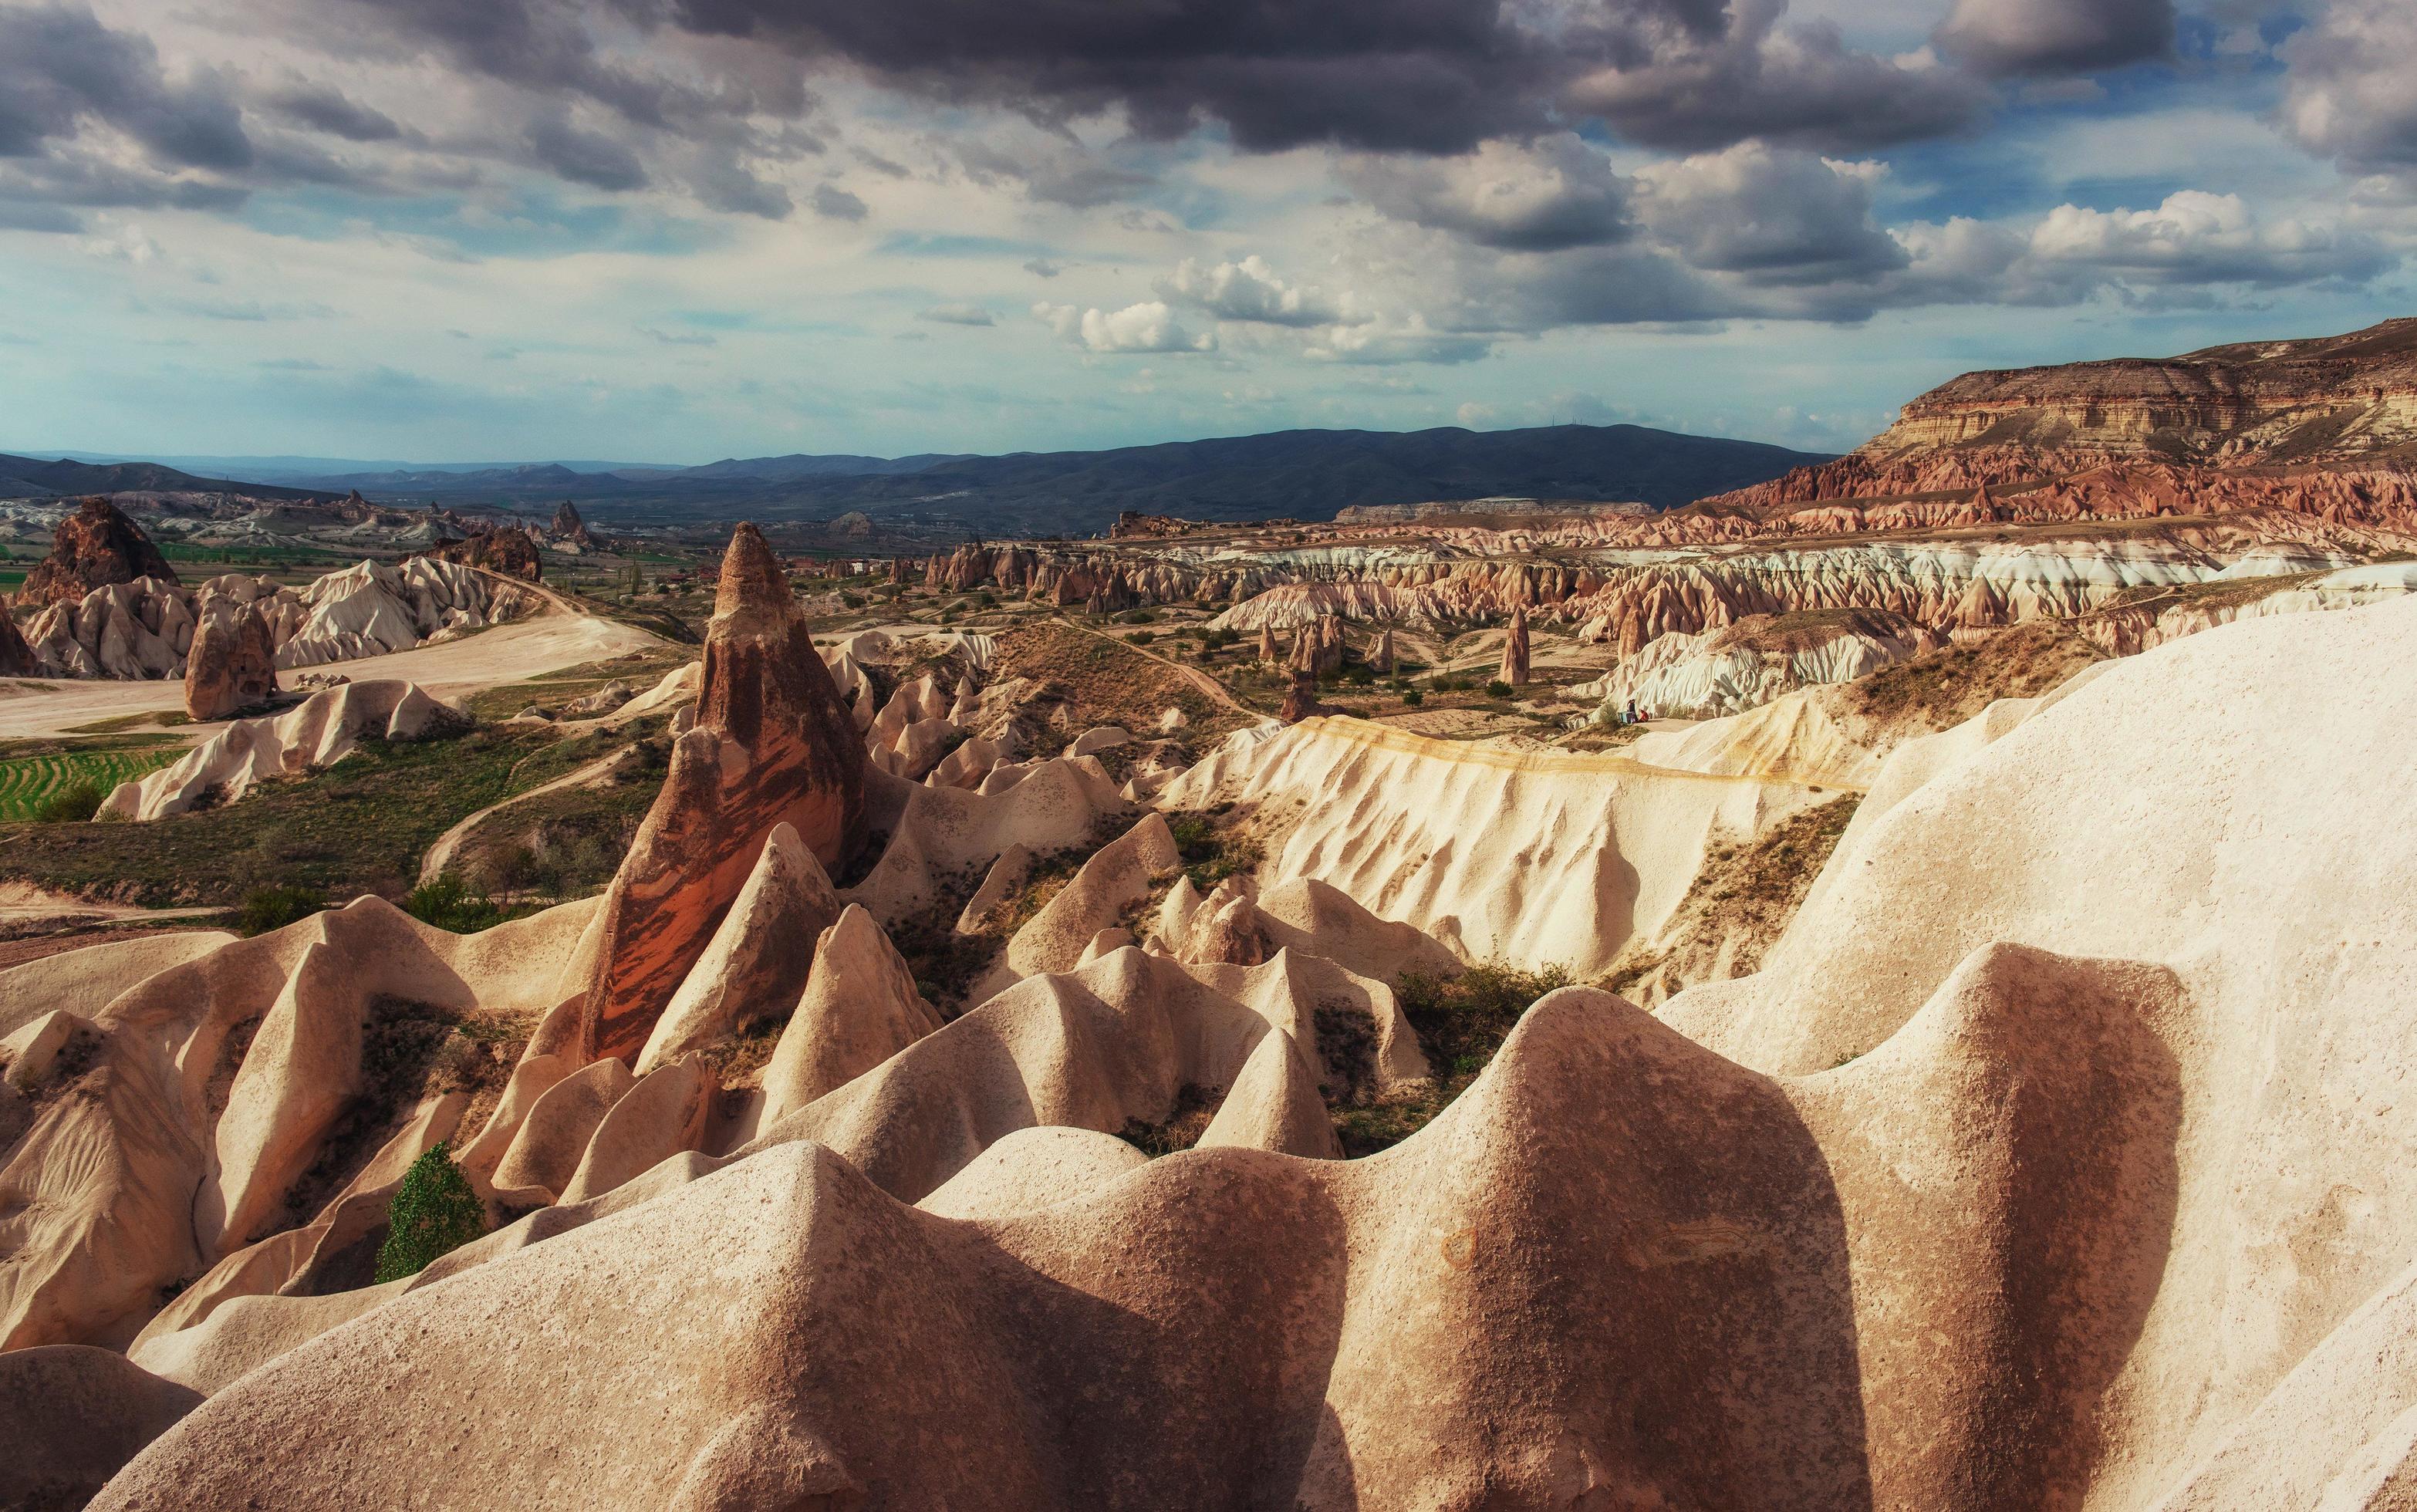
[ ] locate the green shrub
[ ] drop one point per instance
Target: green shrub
(433, 1213)
(1142, 637)
(274, 907)
(1413, 697)
(1497, 688)
(74, 804)
(451, 904)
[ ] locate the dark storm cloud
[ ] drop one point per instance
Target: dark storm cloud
(2049, 37)
(836, 203)
(328, 110)
(584, 157)
(61, 67)
(1793, 85)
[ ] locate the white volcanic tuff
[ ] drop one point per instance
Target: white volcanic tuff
(143, 629)
(1936, 584)
(1523, 855)
(2126, 632)
(2215, 812)
(1707, 675)
(321, 730)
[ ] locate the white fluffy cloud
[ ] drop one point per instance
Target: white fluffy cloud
(1248, 290)
(1150, 327)
(2351, 86)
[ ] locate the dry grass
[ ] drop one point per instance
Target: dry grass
(1940, 689)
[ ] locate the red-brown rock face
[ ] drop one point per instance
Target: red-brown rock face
(772, 745)
(511, 551)
(231, 665)
(1300, 699)
(93, 547)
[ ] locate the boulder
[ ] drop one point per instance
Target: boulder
(233, 664)
(772, 745)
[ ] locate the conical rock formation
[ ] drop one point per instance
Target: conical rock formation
(1514, 648)
(759, 958)
(772, 745)
(860, 1007)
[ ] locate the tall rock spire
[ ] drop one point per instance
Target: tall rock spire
(773, 744)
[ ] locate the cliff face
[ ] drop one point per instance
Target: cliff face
(2275, 410)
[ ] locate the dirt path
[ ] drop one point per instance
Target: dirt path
(449, 844)
(1216, 692)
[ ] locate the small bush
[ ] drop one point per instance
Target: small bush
(450, 904)
(1497, 688)
(1413, 697)
(274, 907)
(433, 1213)
(74, 804)
(1142, 637)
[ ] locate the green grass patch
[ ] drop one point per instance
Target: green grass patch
(32, 787)
(1461, 1021)
(358, 826)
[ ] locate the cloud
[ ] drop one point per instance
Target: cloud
(1553, 193)
(1770, 217)
(2199, 238)
(1245, 291)
(2000, 37)
(2349, 92)
(324, 108)
(836, 203)
(581, 155)
(1151, 326)
(1693, 89)
(1042, 267)
(964, 314)
(60, 67)
(680, 338)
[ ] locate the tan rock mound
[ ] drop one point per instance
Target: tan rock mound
(231, 666)
(859, 1008)
(75, 1417)
(319, 731)
(173, 1131)
(772, 745)
(1116, 880)
(759, 958)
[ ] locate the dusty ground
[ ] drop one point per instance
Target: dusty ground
(505, 654)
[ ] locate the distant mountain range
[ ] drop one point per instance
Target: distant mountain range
(27, 478)
(1307, 474)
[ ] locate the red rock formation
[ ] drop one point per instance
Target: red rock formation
(93, 547)
(569, 527)
(511, 551)
(1270, 652)
(1514, 649)
(772, 745)
(1300, 699)
(231, 665)
(1380, 654)
(1131, 524)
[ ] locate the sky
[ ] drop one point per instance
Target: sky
(673, 231)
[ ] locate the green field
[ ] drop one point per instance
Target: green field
(28, 781)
